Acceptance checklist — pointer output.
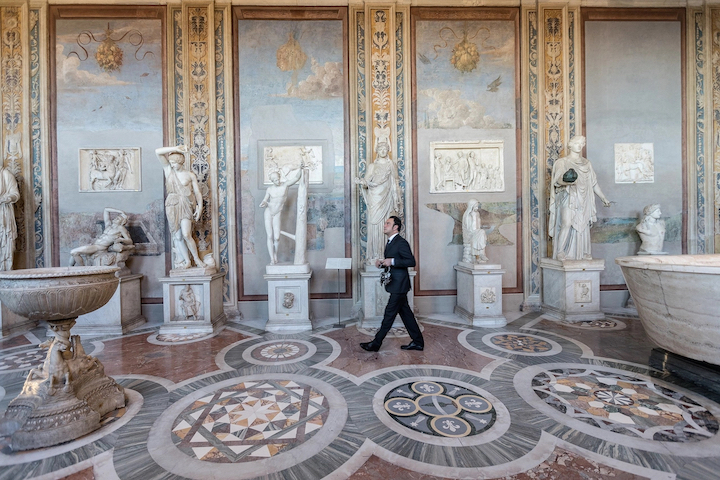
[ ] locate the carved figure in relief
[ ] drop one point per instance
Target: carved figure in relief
(474, 237)
(188, 303)
(54, 370)
(183, 204)
(651, 230)
(439, 165)
(381, 191)
(113, 247)
(9, 194)
(572, 204)
(273, 203)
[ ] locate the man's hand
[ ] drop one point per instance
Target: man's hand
(383, 263)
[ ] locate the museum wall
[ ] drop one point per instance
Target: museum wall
(251, 89)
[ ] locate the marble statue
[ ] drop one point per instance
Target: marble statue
(9, 194)
(474, 237)
(651, 230)
(183, 204)
(188, 303)
(572, 204)
(113, 247)
(273, 203)
(381, 191)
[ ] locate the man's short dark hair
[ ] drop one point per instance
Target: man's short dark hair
(397, 221)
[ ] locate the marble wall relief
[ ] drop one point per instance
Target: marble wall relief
(109, 169)
(634, 163)
(285, 158)
(467, 167)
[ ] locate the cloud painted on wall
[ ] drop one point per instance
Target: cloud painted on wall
(326, 81)
(70, 76)
(452, 111)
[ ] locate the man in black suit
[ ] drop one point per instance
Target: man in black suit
(398, 257)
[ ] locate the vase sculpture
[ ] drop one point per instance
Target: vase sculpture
(67, 396)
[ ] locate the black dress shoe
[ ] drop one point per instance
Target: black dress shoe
(413, 346)
(370, 346)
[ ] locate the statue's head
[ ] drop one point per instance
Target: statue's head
(576, 143)
(382, 148)
(275, 178)
(176, 159)
(120, 220)
(652, 210)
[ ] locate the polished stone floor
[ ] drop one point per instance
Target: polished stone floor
(537, 399)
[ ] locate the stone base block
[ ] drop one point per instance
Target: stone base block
(192, 304)
(374, 298)
(479, 294)
(121, 314)
(288, 298)
(571, 289)
(13, 323)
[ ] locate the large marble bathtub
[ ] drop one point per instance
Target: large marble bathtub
(678, 300)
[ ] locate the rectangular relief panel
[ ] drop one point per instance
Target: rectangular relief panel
(292, 94)
(466, 133)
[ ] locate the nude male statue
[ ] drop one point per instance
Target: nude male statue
(114, 233)
(275, 197)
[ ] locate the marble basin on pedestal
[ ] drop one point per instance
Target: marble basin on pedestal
(68, 395)
(677, 300)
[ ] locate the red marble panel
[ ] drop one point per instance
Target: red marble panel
(378, 469)
(441, 348)
(87, 474)
(134, 354)
(15, 341)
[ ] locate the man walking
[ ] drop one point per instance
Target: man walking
(398, 257)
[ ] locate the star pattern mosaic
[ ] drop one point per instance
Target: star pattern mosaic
(520, 343)
(625, 404)
(250, 421)
(279, 352)
(440, 409)
(23, 360)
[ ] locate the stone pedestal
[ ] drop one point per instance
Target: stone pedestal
(122, 313)
(288, 297)
(206, 296)
(479, 294)
(571, 289)
(374, 298)
(13, 323)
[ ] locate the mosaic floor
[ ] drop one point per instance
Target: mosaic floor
(537, 399)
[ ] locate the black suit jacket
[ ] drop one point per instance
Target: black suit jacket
(399, 250)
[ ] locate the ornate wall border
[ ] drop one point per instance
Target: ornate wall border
(698, 226)
(714, 20)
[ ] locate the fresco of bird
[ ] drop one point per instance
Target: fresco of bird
(494, 85)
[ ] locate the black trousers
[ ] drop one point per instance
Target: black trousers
(398, 303)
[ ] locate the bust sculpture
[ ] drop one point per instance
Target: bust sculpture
(273, 203)
(474, 237)
(183, 204)
(9, 194)
(651, 230)
(111, 248)
(381, 191)
(572, 204)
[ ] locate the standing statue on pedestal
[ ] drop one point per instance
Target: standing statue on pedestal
(572, 204)
(9, 194)
(651, 230)
(474, 237)
(273, 203)
(381, 191)
(183, 204)
(113, 247)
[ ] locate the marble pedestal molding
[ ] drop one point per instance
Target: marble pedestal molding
(375, 298)
(11, 322)
(208, 290)
(479, 294)
(571, 289)
(121, 314)
(288, 298)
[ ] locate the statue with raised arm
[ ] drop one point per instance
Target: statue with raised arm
(474, 237)
(9, 194)
(113, 247)
(651, 230)
(572, 203)
(183, 204)
(381, 191)
(273, 203)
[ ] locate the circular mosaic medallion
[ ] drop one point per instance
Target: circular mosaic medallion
(394, 332)
(605, 324)
(623, 403)
(521, 344)
(250, 420)
(24, 360)
(278, 352)
(440, 409)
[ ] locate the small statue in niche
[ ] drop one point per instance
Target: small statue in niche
(9, 194)
(474, 237)
(572, 204)
(183, 204)
(651, 230)
(188, 303)
(113, 247)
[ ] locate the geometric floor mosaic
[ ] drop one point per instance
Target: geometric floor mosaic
(279, 351)
(249, 421)
(23, 360)
(520, 343)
